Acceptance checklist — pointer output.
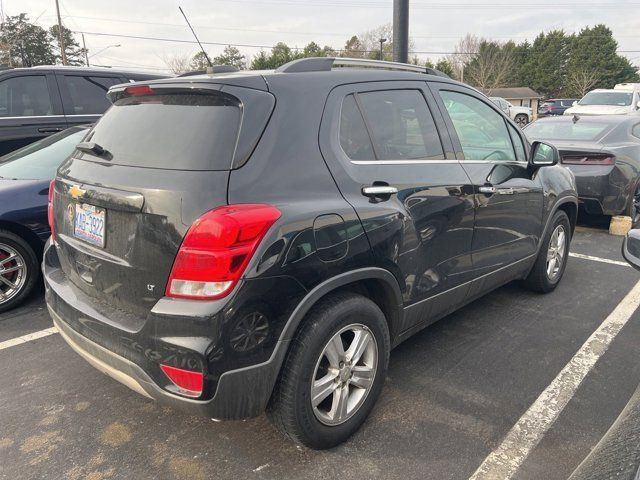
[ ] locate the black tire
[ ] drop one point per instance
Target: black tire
(538, 279)
(290, 408)
(13, 241)
(633, 209)
(521, 120)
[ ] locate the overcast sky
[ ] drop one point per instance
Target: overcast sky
(435, 25)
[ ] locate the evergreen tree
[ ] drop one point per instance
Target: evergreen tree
(231, 56)
(75, 54)
(23, 44)
(445, 67)
(545, 69)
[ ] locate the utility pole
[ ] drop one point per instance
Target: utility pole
(63, 54)
(382, 40)
(401, 31)
(86, 52)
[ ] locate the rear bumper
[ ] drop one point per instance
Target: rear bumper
(602, 190)
(239, 393)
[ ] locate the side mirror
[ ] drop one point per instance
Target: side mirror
(543, 155)
(631, 248)
(638, 105)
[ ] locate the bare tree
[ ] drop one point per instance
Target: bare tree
(491, 66)
(464, 52)
(582, 81)
(367, 44)
(177, 62)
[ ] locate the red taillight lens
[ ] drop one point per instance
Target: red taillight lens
(589, 159)
(188, 383)
(217, 249)
(138, 90)
(50, 215)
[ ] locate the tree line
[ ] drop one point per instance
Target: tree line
(555, 64)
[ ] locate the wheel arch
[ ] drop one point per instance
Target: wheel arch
(26, 234)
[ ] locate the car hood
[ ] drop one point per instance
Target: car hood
(598, 110)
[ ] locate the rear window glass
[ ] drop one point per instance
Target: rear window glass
(567, 130)
(170, 131)
(620, 99)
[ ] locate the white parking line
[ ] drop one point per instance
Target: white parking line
(599, 259)
(27, 338)
(505, 460)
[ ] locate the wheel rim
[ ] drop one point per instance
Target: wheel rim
(13, 273)
(521, 121)
(344, 374)
(555, 253)
(635, 207)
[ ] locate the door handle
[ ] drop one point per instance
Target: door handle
(50, 129)
(487, 189)
(506, 191)
(379, 191)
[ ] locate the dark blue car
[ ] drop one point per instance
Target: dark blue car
(24, 186)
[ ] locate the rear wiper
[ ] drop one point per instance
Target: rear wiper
(93, 149)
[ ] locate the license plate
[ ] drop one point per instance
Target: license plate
(89, 224)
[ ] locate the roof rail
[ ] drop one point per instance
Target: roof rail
(212, 69)
(325, 64)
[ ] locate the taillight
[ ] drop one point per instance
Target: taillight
(50, 214)
(590, 159)
(138, 90)
(187, 382)
(217, 249)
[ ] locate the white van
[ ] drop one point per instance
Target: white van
(623, 99)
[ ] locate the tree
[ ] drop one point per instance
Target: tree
(581, 81)
(353, 48)
(545, 69)
(231, 56)
(23, 44)
(464, 52)
(199, 62)
(491, 66)
(445, 67)
(177, 63)
(75, 55)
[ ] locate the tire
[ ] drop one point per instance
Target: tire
(24, 270)
(521, 120)
(633, 209)
(291, 410)
(540, 279)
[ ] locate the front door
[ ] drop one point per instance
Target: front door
(390, 138)
(508, 195)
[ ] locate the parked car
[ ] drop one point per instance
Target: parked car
(520, 115)
(24, 185)
(236, 242)
(555, 106)
(603, 152)
(624, 99)
(36, 102)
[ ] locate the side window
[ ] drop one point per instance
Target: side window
(88, 94)
(354, 138)
(481, 130)
(517, 143)
(401, 124)
(26, 96)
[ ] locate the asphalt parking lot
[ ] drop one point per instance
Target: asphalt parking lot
(452, 394)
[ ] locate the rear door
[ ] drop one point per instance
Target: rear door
(120, 217)
(30, 108)
(390, 136)
(508, 195)
(84, 96)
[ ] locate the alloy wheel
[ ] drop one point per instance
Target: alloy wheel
(556, 251)
(521, 121)
(13, 273)
(344, 374)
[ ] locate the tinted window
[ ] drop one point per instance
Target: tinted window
(25, 96)
(401, 124)
(481, 130)
(517, 143)
(354, 138)
(567, 130)
(40, 160)
(179, 131)
(89, 94)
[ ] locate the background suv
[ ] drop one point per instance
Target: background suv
(623, 99)
(555, 106)
(36, 102)
(521, 115)
(231, 243)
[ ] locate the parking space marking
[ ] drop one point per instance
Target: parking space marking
(27, 338)
(599, 259)
(504, 461)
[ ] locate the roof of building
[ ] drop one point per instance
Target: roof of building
(512, 93)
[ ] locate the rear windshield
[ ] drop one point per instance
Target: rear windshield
(170, 131)
(567, 130)
(620, 99)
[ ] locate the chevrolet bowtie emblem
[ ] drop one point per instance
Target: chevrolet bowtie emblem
(76, 192)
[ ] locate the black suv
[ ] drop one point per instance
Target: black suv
(555, 106)
(36, 102)
(230, 243)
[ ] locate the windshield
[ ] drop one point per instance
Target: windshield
(620, 99)
(40, 160)
(543, 130)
